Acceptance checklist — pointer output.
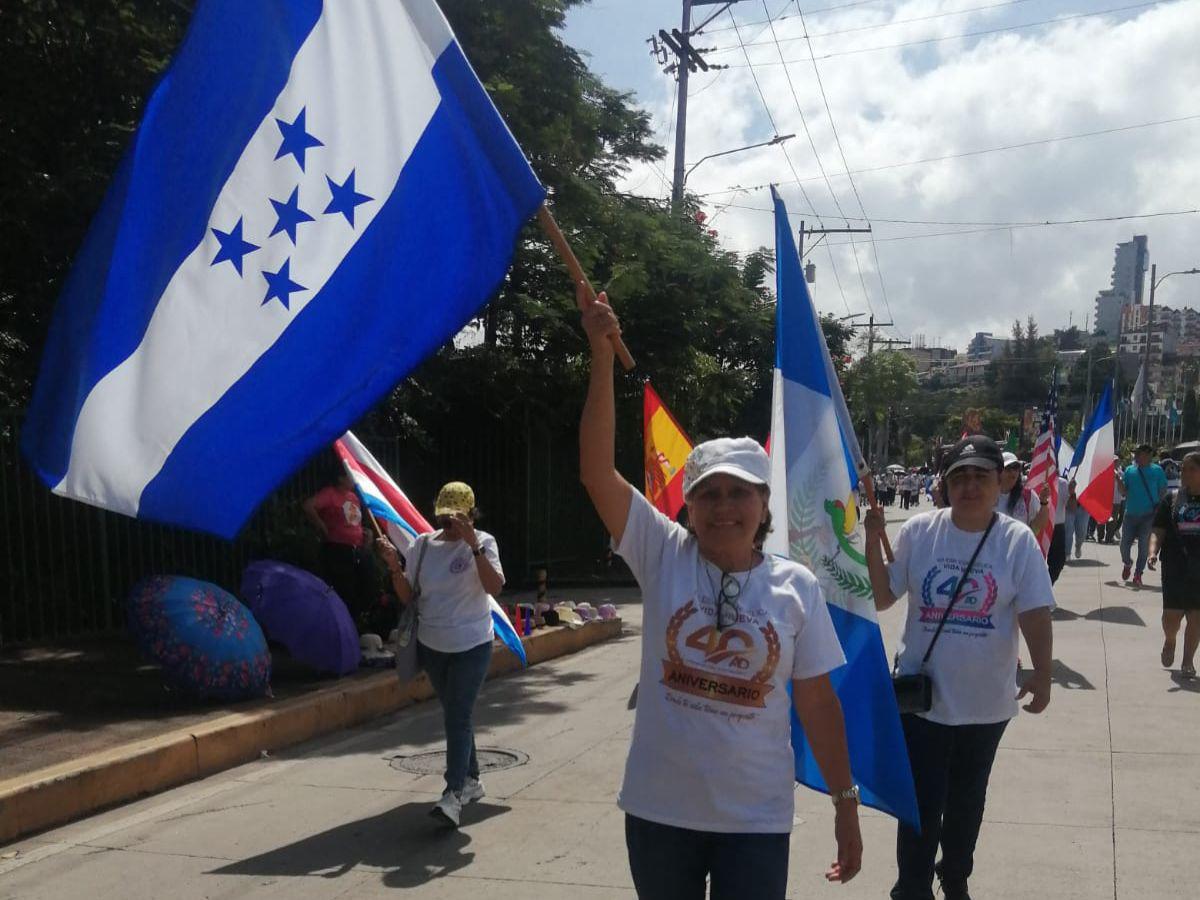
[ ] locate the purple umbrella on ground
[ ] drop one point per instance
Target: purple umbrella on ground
(300, 611)
(206, 642)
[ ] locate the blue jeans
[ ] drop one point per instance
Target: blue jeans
(670, 863)
(951, 765)
(1136, 526)
(456, 679)
(1077, 528)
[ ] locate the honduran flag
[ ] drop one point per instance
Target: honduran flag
(1094, 464)
(815, 464)
(383, 497)
(319, 195)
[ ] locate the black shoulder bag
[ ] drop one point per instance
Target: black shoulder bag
(914, 693)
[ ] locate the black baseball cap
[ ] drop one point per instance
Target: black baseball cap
(976, 450)
(1144, 448)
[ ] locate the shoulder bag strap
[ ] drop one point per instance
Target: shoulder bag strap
(424, 539)
(1146, 485)
(958, 590)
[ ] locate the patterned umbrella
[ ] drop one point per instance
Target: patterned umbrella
(206, 642)
(300, 611)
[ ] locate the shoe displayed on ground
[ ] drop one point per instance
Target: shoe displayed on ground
(1187, 670)
(1167, 657)
(472, 791)
(1137, 581)
(1151, 565)
(449, 809)
(1125, 571)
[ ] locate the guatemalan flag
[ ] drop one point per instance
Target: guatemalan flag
(815, 461)
(1095, 460)
(319, 196)
(389, 504)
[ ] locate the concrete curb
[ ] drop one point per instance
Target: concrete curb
(59, 794)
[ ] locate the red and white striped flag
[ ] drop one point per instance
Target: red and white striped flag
(1044, 467)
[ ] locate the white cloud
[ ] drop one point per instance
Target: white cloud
(910, 103)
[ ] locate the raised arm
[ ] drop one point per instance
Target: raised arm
(881, 588)
(611, 494)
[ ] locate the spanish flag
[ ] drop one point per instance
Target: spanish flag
(666, 450)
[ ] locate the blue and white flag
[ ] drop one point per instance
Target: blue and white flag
(815, 463)
(318, 197)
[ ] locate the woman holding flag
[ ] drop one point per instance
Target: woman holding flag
(451, 575)
(728, 632)
(973, 578)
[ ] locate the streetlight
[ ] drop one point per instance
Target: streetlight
(1155, 281)
(778, 139)
(1088, 390)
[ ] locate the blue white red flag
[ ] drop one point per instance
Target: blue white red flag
(387, 502)
(319, 196)
(380, 494)
(815, 462)
(1094, 463)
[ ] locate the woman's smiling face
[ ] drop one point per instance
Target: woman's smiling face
(726, 512)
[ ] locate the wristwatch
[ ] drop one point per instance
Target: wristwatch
(477, 551)
(850, 793)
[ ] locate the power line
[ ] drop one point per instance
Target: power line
(842, 152)
(775, 130)
(993, 226)
(828, 184)
(967, 153)
(812, 12)
(966, 34)
(878, 25)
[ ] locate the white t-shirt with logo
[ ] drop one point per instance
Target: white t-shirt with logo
(974, 663)
(712, 747)
(453, 610)
(1060, 509)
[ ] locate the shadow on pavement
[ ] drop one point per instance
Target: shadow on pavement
(1085, 563)
(1063, 676)
(405, 843)
(1112, 615)
(1187, 683)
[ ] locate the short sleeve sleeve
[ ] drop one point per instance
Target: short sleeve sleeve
(412, 560)
(491, 552)
(817, 648)
(1033, 587)
(646, 537)
(898, 569)
(1034, 504)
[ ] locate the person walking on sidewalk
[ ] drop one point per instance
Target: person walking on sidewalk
(1107, 531)
(1145, 487)
(989, 568)
(451, 573)
(728, 633)
(1176, 537)
(1078, 520)
(1018, 501)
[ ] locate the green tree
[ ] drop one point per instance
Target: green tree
(878, 385)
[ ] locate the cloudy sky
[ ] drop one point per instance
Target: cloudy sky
(1082, 66)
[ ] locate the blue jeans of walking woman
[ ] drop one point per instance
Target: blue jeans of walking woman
(1136, 527)
(1077, 529)
(456, 679)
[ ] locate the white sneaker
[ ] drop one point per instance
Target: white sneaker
(448, 809)
(472, 790)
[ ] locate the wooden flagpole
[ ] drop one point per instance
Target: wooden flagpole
(559, 240)
(869, 484)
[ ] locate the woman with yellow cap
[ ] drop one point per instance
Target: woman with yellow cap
(450, 574)
(727, 634)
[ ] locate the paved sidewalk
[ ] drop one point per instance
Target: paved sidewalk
(1098, 798)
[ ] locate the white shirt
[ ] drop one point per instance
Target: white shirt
(974, 663)
(453, 613)
(711, 747)
(1024, 510)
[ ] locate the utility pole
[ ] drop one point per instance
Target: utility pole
(687, 60)
(824, 231)
(871, 342)
(1146, 359)
(683, 51)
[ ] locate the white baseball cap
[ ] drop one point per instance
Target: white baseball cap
(1010, 459)
(742, 458)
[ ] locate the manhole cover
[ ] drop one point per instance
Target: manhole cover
(491, 759)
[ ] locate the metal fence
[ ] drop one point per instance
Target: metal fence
(65, 567)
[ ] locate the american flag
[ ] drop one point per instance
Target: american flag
(1044, 468)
